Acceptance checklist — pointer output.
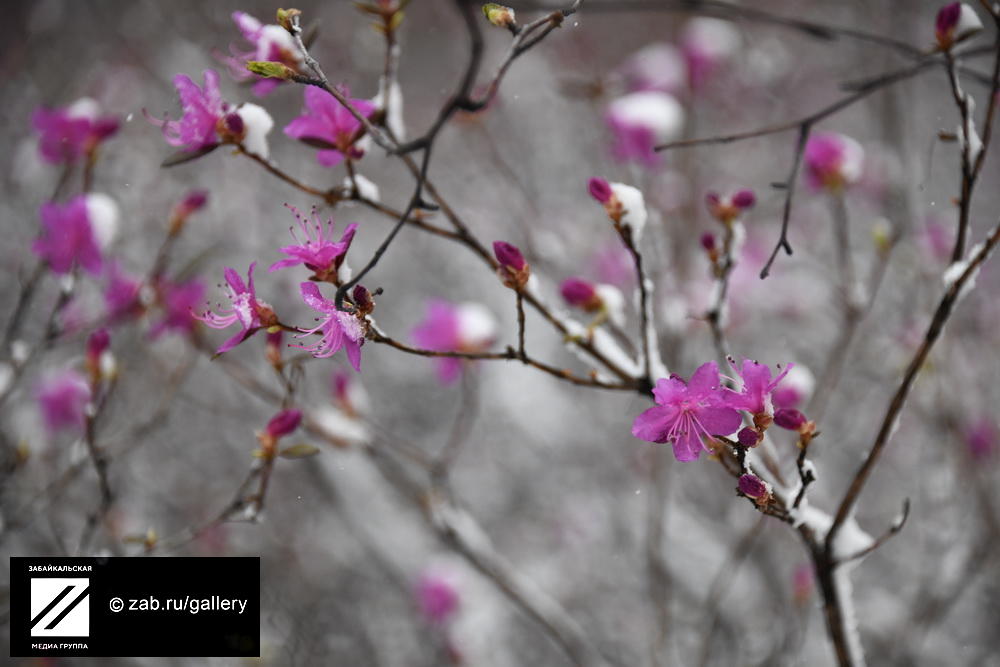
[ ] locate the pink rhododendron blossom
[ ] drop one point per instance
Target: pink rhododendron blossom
(63, 400)
(247, 310)
(204, 111)
(796, 388)
(317, 251)
(121, 294)
(339, 329)
(327, 121)
(707, 45)
(67, 134)
(437, 597)
(68, 238)
(688, 413)
(756, 387)
(178, 301)
(640, 121)
(833, 161)
(614, 265)
(448, 327)
(266, 42)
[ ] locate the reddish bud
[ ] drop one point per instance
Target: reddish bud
(580, 293)
(362, 299)
(790, 418)
(708, 241)
(744, 199)
(514, 270)
(600, 190)
(753, 487)
(283, 423)
(748, 437)
(97, 344)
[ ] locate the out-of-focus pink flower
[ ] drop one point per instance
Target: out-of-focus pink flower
(339, 329)
(640, 121)
(655, 67)
(614, 265)
(726, 208)
(178, 301)
(67, 134)
(437, 597)
(795, 389)
(707, 241)
(448, 327)
(833, 161)
(121, 294)
(803, 581)
(955, 22)
(68, 239)
(317, 251)
(327, 121)
(247, 310)
(983, 439)
(687, 413)
(756, 387)
(707, 44)
(266, 42)
(97, 343)
(348, 393)
(63, 400)
(580, 293)
(936, 239)
(754, 487)
(193, 202)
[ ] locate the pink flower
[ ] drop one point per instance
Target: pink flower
(658, 66)
(319, 254)
(327, 122)
(833, 161)
(269, 43)
(707, 44)
(204, 113)
(688, 413)
(726, 208)
(756, 388)
(437, 598)
(339, 329)
(63, 400)
(67, 134)
(68, 238)
(640, 121)
(514, 271)
(803, 582)
(178, 301)
(983, 439)
(247, 310)
(121, 295)
(467, 328)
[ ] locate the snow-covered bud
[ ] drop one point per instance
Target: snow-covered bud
(514, 271)
(500, 16)
(755, 488)
(955, 22)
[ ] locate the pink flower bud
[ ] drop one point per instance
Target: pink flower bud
(753, 487)
(747, 437)
(600, 190)
(712, 200)
(580, 293)
(97, 344)
(955, 21)
(509, 256)
(744, 199)
(708, 241)
(363, 299)
(283, 423)
(194, 201)
(789, 418)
